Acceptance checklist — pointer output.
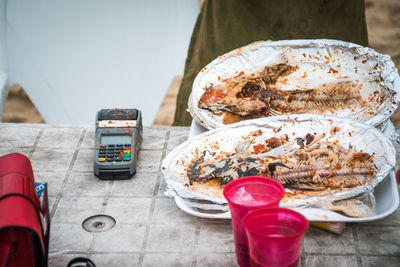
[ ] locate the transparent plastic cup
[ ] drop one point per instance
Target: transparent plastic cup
(246, 194)
(274, 236)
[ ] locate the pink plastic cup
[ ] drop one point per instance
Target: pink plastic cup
(274, 236)
(245, 194)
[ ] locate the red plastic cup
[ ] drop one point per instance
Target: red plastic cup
(246, 194)
(274, 236)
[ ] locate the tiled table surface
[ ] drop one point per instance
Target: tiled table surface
(150, 230)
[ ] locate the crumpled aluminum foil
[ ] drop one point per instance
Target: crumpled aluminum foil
(360, 135)
(316, 57)
(390, 131)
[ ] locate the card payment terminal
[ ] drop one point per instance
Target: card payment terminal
(118, 138)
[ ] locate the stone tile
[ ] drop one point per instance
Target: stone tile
(129, 210)
(379, 240)
(18, 136)
(169, 259)
(329, 261)
(69, 238)
(171, 238)
(215, 221)
(216, 238)
(51, 159)
(9, 150)
(166, 212)
(54, 180)
(374, 261)
(142, 184)
(216, 260)
(162, 187)
(149, 161)
(122, 238)
(77, 209)
(177, 136)
(153, 137)
(61, 260)
(60, 137)
(115, 259)
(84, 160)
(52, 200)
(88, 139)
(85, 184)
(319, 241)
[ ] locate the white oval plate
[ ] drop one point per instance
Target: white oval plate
(386, 196)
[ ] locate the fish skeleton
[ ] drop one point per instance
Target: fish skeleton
(315, 165)
(257, 94)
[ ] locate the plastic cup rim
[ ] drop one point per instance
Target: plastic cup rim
(234, 182)
(282, 209)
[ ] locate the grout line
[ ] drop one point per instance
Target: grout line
(103, 195)
(56, 253)
(337, 254)
(102, 211)
(153, 202)
(92, 242)
(114, 252)
(107, 196)
(356, 245)
(302, 260)
(34, 146)
(55, 204)
(147, 231)
(78, 147)
(196, 243)
(344, 254)
(67, 174)
(164, 152)
(302, 253)
(157, 186)
(152, 252)
(157, 224)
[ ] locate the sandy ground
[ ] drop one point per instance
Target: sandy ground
(19, 108)
(383, 21)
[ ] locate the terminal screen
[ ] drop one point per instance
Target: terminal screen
(115, 139)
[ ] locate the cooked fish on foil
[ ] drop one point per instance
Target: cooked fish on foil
(292, 77)
(326, 158)
(314, 165)
(258, 95)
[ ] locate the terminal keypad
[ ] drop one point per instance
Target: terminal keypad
(114, 152)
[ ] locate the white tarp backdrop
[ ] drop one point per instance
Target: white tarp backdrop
(3, 57)
(75, 57)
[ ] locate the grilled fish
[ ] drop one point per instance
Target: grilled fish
(315, 165)
(253, 95)
(225, 170)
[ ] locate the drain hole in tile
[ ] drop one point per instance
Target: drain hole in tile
(98, 223)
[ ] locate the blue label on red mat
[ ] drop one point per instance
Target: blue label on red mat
(39, 188)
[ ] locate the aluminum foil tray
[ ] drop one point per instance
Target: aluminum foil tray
(319, 61)
(359, 135)
(386, 196)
